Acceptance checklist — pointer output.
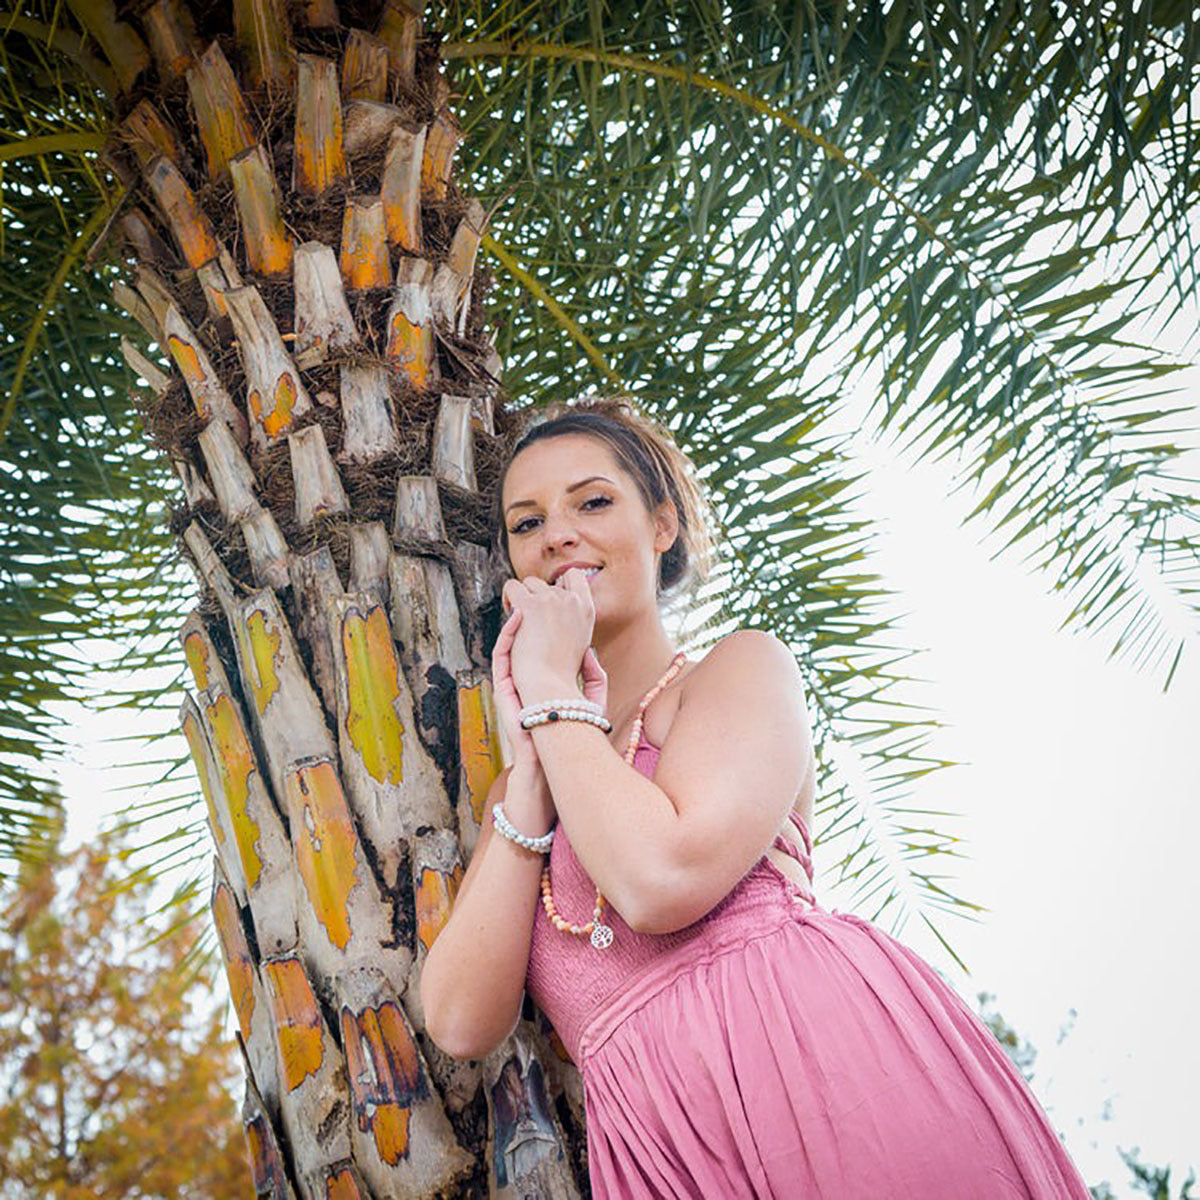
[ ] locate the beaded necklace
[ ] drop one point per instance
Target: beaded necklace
(602, 934)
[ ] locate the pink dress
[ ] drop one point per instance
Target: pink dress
(773, 1049)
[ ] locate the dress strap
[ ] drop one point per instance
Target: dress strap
(802, 856)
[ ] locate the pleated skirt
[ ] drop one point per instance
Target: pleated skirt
(815, 1057)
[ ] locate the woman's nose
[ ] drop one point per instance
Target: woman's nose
(557, 532)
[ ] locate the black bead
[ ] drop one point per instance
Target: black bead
(553, 715)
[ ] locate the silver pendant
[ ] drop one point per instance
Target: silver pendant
(602, 936)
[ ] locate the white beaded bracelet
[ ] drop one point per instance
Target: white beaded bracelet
(567, 714)
(577, 702)
(504, 827)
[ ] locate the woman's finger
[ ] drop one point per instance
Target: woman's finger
(595, 681)
(502, 651)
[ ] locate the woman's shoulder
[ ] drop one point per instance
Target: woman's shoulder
(732, 657)
(740, 651)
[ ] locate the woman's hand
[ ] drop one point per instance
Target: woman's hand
(556, 632)
(508, 699)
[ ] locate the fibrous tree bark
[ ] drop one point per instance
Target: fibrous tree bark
(303, 265)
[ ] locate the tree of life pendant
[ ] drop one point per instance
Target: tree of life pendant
(602, 936)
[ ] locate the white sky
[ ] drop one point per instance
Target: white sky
(1079, 804)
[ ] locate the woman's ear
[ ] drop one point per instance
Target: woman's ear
(666, 525)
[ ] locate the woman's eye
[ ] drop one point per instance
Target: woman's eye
(593, 502)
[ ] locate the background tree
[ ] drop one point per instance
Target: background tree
(115, 1068)
(700, 204)
(1145, 1178)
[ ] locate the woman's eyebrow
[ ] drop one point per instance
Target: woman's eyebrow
(572, 488)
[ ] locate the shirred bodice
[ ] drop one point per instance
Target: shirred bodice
(572, 982)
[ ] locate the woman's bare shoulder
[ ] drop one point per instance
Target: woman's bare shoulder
(743, 650)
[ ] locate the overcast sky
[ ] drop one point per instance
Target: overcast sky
(1081, 808)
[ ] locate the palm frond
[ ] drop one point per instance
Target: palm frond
(753, 214)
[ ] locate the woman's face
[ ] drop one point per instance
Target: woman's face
(566, 501)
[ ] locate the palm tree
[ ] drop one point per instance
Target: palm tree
(702, 205)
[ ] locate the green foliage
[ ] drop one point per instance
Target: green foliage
(1151, 1181)
(1014, 1045)
(81, 537)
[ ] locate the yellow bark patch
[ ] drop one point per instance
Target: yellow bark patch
(196, 743)
(297, 1020)
(325, 841)
(235, 759)
(279, 419)
(195, 650)
(372, 724)
(238, 965)
(434, 899)
(412, 347)
(274, 255)
(263, 643)
(478, 742)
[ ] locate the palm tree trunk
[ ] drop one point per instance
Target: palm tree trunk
(306, 265)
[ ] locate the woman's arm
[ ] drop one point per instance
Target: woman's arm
(474, 974)
(666, 851)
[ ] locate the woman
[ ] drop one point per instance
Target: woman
(735, 1039)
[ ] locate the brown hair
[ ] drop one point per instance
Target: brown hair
(649, 454)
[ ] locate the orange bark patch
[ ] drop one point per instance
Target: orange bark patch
(320, 160)
(266, 1170)
(559, 1046)
(279, 418)
(434, 899)
(297, 1020)
(196, 743)
(188, 361)
(412, 347)
(386, 1077)
(341, 1185)
(238, 964)
(235, 759)
(325, 841)
(364, 260)
(479, 745)
(372, 724)
(263, 642)
(390, 1129)
(440, 142)
(195, 650)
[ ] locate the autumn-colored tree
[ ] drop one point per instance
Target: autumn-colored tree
(115, 1070)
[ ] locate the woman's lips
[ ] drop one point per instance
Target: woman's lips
(589, 573)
